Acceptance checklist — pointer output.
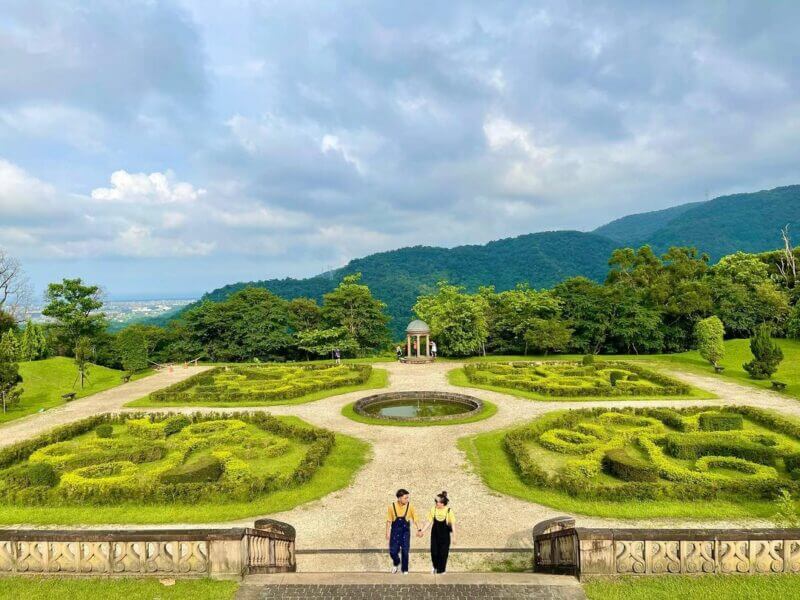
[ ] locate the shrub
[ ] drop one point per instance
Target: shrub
(588, 359)
(697, 445)
(104, 431)
(714, 421)
(203, 469)
(767, 355)
(615, 376)
(709, 334)
(175, 424)
(42, 474)
(792, 462)
(619, 463)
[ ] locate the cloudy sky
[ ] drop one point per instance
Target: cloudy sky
(166, 148)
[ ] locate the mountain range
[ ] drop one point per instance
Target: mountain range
(750, 222)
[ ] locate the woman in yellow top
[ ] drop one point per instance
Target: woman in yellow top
(441, 520)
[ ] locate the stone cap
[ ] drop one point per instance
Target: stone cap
(416, 326)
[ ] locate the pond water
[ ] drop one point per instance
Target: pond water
(416, 408)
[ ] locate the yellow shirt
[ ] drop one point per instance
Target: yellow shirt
(411, 515)
(440, 514)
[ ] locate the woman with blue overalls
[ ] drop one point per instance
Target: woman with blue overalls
(398, 530)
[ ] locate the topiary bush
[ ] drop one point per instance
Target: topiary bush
(619, 463)
(202, 469)
(767, 355)
(719, 443)
(714, 421)
(588, 359)
(104, 431)
(42, 474)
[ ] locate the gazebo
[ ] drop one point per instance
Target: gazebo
(416, 332)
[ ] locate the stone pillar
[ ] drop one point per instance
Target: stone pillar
(408, 345)
(418, 341)
(428, 345)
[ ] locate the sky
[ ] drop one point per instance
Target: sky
(163, 149)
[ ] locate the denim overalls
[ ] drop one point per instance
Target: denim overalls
(400, 538)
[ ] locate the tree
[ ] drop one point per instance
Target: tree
(513, 312)
(132, 347)
(586, 307)
(710, 334)
(457, 319)
(252, 323)
(33, 344)
(304, 314)
(10, 345)
(548, 335)
(352, 306)
(75, 308)
(15, 290)
(767, 355)
(10, 392)
(82, 353)
(322, 342)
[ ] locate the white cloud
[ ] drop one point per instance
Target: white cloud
(24, 197)
(152, 189)
(55, 122)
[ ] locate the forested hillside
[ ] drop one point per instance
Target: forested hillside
(748, 222)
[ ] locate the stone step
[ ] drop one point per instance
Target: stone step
(414, 586)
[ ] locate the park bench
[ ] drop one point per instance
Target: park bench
(778, 385)
(126, 378)
(718, 369)
(68, 396)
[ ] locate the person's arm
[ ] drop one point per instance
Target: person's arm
(388, 522)
(430, 522)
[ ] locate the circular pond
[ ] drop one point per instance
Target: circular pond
(418, 406)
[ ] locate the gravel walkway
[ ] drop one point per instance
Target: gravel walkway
(110, 400)
(424, 460)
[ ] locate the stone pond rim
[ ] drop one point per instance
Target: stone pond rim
(473, 406)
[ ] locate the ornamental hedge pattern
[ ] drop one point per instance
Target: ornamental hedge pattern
(641, 453)
(269, 383)
(154, 459)
(575, 379)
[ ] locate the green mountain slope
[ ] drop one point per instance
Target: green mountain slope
(632, 229)
(397, 277)
(747, 222)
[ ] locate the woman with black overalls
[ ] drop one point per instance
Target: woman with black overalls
(398, 530)
(441, 521)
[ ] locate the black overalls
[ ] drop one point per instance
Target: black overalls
(400, 538)
(440, 542)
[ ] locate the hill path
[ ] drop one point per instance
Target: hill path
(110, 400)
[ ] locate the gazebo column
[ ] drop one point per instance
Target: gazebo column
(418, 340)
(428, 345)
(408, 345)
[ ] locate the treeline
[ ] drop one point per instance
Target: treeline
(647, 304)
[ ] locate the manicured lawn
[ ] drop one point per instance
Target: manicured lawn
(378, 379)
(737, 352)
(708, 587)
(52, 588)
(45, 381)
(337, 471)
(491, 461)
(459, 378)
(489, 410)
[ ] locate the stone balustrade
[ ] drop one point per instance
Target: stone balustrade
(220, 553)
(560, 547)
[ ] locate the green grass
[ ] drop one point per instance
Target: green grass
(49, 588)
(45, 381)
(671, 587)
(346, 458)
(489, 410)
(459, 378)
(737, 352)
(492, 463)
(378, 379)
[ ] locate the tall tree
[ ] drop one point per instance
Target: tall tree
(767, 355)
(548, 335)
(132, 347)
(33, 344)
(304, 314)
(352, 306)
(709, 334)
(512, 313)
(457, 320)
(10, 345)
(75, 307)
(82, 353)
(15, 290)
(10, 379)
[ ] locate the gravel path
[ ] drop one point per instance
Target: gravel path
(424, 460)
(110, 400)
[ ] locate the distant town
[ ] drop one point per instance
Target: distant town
(122, 312)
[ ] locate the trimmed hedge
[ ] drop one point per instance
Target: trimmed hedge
(576, 379)
(619, 463)
(663, 435)
(104, 431)
(269, 383)
(200, 470)
(715, 421)
(103, 471)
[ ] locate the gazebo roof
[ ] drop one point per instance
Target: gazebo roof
(417, 326)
